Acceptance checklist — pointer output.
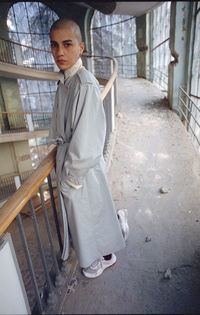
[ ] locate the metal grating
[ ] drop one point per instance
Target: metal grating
(115, 36)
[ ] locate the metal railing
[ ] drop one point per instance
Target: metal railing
(24, 121)
(23, 55)
(13, 208)
(120, 32)
(158, 77)
(190, 116)
(45, 293)
(9, 183)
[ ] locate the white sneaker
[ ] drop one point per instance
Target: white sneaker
(123, 220)
(98, 266)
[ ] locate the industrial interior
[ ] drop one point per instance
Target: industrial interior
(146, 57)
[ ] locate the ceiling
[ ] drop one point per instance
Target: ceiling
(133, 8)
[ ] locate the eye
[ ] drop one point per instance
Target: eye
(67, 44)
(53, 44)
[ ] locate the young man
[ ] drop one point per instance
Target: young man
(78, 128)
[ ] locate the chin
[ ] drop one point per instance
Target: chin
(63, 67)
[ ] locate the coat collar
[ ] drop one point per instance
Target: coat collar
(64, 75)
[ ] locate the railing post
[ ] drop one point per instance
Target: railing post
(17, 181)
(40, 246)
(29, 122)
(112, 105)
(55, 213)
(89, 64)
(115, 95)
(18, 55)
(49, 232)
(30, 264)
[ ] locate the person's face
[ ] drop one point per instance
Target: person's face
(65, 47)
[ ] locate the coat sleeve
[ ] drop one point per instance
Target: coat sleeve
(88, 135)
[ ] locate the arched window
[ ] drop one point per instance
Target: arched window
(115, 36)
(29, 24)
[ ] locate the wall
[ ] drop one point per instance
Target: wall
(141, 45)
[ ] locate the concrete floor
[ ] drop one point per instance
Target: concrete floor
(152, 150)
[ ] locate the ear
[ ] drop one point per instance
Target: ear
(82, 46)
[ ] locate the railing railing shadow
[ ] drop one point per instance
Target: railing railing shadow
(24, 197)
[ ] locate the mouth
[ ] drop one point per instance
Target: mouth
(61, 61)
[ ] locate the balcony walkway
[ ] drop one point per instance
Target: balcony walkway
(152, 150)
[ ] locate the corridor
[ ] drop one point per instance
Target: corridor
(152, 151)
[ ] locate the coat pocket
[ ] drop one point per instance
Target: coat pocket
(69, 183)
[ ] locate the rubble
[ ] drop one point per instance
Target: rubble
(164, 190)
(147, 239)
(119, 115)
(167, 274)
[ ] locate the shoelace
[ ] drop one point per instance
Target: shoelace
(95, 263)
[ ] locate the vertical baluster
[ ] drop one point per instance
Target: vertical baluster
(189, 114)
(49, 283)
(55, 213)
(49, 232)
(29, 262)
(4, 52)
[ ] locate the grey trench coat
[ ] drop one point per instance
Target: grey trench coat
(78, 124)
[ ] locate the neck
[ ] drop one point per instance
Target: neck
(73, 69)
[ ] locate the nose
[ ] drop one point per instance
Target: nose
(60, 50)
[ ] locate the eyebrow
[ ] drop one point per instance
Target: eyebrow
(64, 41)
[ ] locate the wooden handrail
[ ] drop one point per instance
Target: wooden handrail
(111, 80)
(19, 199)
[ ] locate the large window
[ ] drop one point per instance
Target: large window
(160, 52)
(194, 106)
(115, 36)
(29, 24)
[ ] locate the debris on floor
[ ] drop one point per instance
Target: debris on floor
(167, 274)
(119, 115)
(164, 190)
(71, 287)
(147, 239)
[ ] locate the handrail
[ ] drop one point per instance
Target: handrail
(24, 113)
(15, 43)
(18, 200)
(188, 96)
(111, 80)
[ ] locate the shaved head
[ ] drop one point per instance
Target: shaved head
(67, 24)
